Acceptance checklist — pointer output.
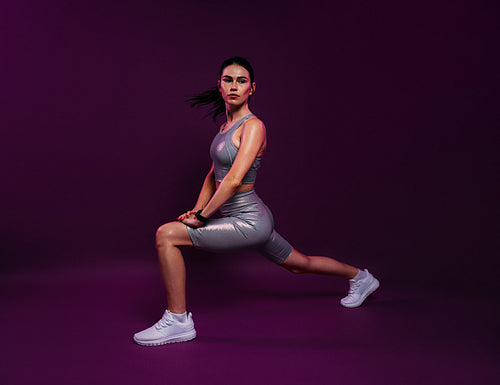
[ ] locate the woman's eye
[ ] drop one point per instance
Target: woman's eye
(227, 80)
(242, 81)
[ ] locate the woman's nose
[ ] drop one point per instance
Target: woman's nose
(233, 86)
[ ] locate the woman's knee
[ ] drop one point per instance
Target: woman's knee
(165, 234)
(294, 270)
(298, 269)
(297, 263)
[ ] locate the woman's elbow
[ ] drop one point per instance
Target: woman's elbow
(233, 182)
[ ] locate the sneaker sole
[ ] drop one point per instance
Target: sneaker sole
(374, 286)
(184, 337)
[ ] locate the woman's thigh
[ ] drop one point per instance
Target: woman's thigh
(277, 249)
(230, 234)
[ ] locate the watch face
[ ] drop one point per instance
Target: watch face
(200, 217)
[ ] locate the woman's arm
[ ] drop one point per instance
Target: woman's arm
(253, 137)
(207, 190)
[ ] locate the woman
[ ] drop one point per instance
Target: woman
(246, 221)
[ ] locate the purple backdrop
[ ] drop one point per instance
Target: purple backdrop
(380, 118)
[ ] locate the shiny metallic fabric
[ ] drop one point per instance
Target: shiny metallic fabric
(246, 223)
(223, 153)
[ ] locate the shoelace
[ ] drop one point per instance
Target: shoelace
(354, 286)
(165, 321)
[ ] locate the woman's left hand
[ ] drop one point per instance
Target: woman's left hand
(192, 221)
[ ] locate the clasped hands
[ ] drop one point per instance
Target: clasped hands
(188, 218)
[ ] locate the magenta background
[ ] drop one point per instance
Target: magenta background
(381, 119)
(383, 140)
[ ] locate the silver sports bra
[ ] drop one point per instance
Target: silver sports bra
(223, 153)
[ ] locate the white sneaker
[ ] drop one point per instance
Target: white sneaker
(359, 290)
(166, 331)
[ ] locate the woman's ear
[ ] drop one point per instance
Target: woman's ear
(253, 89)
(218, 85)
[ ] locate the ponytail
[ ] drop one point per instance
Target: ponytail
(211, 97)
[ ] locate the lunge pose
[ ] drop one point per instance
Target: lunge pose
(246, 221)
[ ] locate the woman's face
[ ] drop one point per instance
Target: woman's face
(235, 85)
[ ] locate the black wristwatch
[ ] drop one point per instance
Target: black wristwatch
(200, 217)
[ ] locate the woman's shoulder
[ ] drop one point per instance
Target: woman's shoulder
(254, 123)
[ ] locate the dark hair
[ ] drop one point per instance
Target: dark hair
(212, 96)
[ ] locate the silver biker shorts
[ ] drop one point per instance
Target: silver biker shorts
(246, 223)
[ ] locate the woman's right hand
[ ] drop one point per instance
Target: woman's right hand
(181, 217)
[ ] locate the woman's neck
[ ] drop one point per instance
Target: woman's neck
(236, 114)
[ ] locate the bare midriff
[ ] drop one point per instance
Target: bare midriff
(242, 188)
